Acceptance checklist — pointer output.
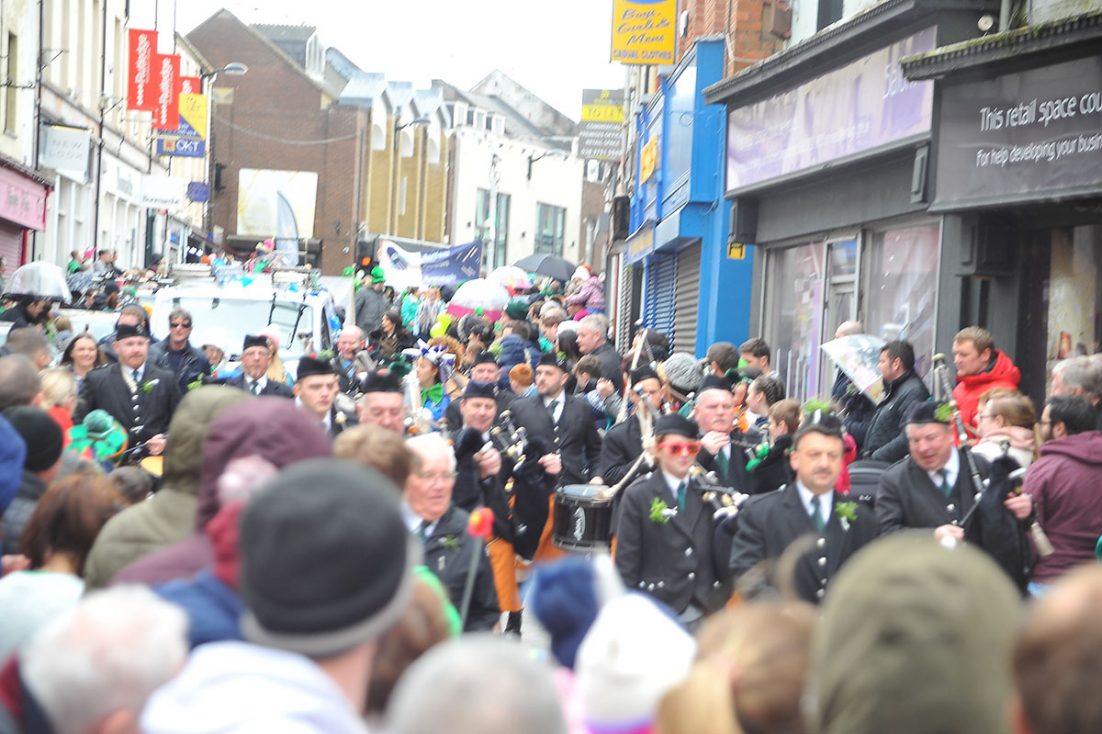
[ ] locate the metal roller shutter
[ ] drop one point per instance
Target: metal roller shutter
(11, 246)
(686, 299)
(661, 281)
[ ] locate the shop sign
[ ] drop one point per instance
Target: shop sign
(189, 139)
(65, 150)
(22, 200)
(648, 159)
(599, 132)
(639, 245)
(198, 191)
(163, 192)
(1024, 136)
(861, 107)
(644, 31)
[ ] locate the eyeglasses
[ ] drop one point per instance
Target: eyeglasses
(689, 448)
(437, 477)
(180, 325)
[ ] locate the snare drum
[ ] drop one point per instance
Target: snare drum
(583, 517)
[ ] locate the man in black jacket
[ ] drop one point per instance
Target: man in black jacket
(723, 447)
(623, 443)
(315, 392)
(886, 439)
(562, 421)
(431, 515)
(665, 530)
(256, 358)
(139, 395)
(593, 339)
(176, 353)
(768, 524)
(933, 487)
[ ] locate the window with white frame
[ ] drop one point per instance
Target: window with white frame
(550, 229)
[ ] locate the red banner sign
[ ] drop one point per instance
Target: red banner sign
(166, 115)
(142, 87)
(191, 85)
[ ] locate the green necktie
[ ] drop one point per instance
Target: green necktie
(945, 487)
(722, 462)
(681, 497)
(816, 514)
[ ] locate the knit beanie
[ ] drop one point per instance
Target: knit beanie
(914, 638)
(632, 656)
(566, 597)
(326, 560)
(13, 454)
(683, 372)
(40, 433)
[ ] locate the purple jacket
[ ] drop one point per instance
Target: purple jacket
(591, 296)
(271, 428)
(1066, 486)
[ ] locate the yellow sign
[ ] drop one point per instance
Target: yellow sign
(641, 243)
(603, 113)
(736, 251)
(193, 108)
(644, 31)
(648, 159)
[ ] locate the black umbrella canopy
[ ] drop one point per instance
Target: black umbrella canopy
(552, 266)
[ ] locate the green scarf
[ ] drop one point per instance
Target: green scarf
(432, 395)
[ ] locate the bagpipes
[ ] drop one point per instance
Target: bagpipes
(988, 524)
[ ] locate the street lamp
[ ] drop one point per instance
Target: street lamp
(234, 68)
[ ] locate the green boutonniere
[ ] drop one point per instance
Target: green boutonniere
(660, 512)
(147, 387)
(846, 512)
(450, 542)
(195, 384)
(943, 413)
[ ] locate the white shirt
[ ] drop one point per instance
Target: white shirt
(326, 422)
(826, 502)
(951, 469)
(672, 482)
(261, 383)
(413, 521)
(561, 400)
(130, 373)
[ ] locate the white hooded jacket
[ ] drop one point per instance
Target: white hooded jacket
(240, 688)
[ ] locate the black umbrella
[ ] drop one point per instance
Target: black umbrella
(552, 266)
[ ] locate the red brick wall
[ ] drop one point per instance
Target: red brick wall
(275, 110)
(748, 41)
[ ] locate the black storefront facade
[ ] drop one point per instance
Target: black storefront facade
(1017, 181)
(829, 171)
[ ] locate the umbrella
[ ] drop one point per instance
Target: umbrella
(858, 355)
(552, 266)
(41, 281)
(480, 297)
(511, 278)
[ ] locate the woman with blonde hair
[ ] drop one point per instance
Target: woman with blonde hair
(1006, 421)
(59, 397)
(749, 674)
(276, 370)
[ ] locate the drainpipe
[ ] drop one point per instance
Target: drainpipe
(1004, 15)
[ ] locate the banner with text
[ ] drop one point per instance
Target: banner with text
(446, 266)
(644, 31)
(865, 105)
(141, 91)
(189, 140)
(166, 114)
(599, 133)
(1023, 136)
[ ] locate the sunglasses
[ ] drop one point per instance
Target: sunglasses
(688, 448)
(180, 325)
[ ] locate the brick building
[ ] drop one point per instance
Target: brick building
(280, 130)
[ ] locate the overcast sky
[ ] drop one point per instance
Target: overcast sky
(555, 49)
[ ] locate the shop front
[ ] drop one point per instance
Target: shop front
(1019, 182)
(827, 170)
(23, 198)
(691, 290)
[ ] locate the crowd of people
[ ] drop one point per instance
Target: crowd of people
(353, 547)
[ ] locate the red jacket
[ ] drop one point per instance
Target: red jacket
(970, 387)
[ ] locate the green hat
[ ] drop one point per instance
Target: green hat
(377, 275)
(517, 310)
(99, 437)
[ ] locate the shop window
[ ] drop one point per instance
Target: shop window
(492, 228)
(901, 289)
(794, 315)
(1074, 293)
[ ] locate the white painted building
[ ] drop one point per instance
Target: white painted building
(514, 185)
(100, 197)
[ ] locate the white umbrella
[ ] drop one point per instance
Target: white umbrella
(480, 297)
(41, 281)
